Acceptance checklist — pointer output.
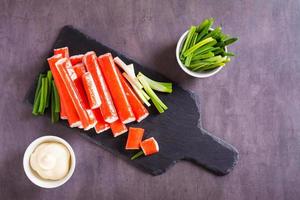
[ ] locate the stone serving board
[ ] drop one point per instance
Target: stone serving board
(178, 130)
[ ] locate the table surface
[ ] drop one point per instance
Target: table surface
(253, 103)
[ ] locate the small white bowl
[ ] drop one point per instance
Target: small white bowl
(185, 69)
(33, 176)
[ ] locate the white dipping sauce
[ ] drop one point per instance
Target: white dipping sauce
(51, 160)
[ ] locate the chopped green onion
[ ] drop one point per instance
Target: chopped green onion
(37, 95)
(205, 29)
(43, 96)
(156, 85)
(56, 98)
(145, 94)
(138, 154)
(36, 103)
(198, 45)
(49, 77)
(188, 40)
(54, 115)
(203, 56)
(230, 41)
(154, 98)
(204, 43)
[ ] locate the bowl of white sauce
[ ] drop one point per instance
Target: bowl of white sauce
(49, 161)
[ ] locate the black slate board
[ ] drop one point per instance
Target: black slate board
(177, 130)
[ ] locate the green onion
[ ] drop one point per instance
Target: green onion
(230, 41)
(56, 98)
(54, 114)
(188, 39)
(158, 86)
(188, 60)
(205, 29)
(198, 45)
(37, 95)
(154, 98)
(138, 154)
(203, 56)
(49, 77)
(203, 43)
(43, 96)
(229, 54)
(214, 34)
(212, 66)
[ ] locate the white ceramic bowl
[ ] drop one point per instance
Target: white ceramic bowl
(185, 69)
(33, 176)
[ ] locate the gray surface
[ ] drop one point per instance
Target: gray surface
(254, 103)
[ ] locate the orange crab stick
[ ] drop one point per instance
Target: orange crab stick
(107, 107)
(101, 125)
(76, 59)
(110, 74)
(135, 136)
(118, 128)
(149, 146)
(91, 90)
(79, 69)
(71, 113)
(139, 110)
(76, 72)
(63, 67)
(64, 51)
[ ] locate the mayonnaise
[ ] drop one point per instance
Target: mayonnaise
(51, 160)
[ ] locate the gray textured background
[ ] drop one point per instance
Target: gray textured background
(253, 104)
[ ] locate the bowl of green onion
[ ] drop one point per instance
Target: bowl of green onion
(202, 51)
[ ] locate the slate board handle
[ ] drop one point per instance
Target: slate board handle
(212, 153)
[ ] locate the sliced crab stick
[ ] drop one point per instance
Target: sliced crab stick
(71, 113)
(135, 136)
(63, 114)
(76, 73)
(149, 146)
(107, 107)
(79, 69)
(92, 119)
(101, 125)
(118, 128)
(91, 90)
(76, 59)
(139, 110)
(111, 76)
(63, 67)
(64, 51)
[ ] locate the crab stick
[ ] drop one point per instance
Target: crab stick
(120, 100)
(135, 136)
(101, 125)
(63, 67)
(118, 128)
(71, 113)
(149, 146)
(139, 110)
(76, 59)
(64, 51)
(91, 90)
(107, 107)
(76, 73)
(63, 114)
(79, 69)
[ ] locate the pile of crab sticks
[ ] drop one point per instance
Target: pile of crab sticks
(99, 92)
